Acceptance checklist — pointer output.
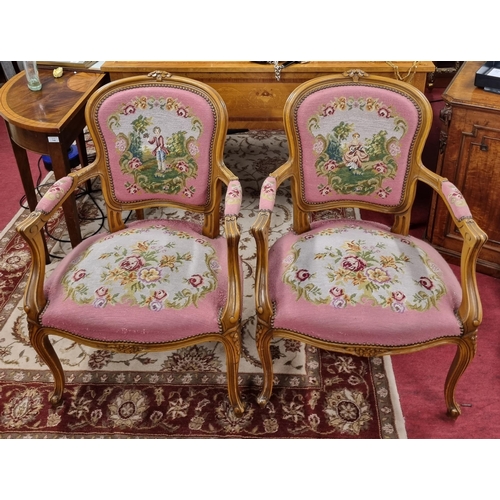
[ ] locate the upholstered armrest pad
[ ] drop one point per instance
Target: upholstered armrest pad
(457, 203)
(233, 198)
(268, 194)
(56, 192)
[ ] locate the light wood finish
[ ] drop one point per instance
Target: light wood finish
(48, 122)
(253, 96)
(32, 227)
(470, 311)
(470, 158)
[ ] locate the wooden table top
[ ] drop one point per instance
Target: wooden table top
(51, 108)
(462, 92)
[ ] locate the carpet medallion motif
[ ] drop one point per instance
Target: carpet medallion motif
(182, 393)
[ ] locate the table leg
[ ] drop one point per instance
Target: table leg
(23, 165)
(61, 168)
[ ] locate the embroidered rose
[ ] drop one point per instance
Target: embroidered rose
(384, 112)
(196, 280)
(182, 166)
(101, 291)
(330, 166)
(129, 109)
(100, 302)
(426, 283)
(324, 190)
(353, 263)
(155, 305)
(398, 307)
(80, 274)
(160, 294)
(134, 163)
(182, 112)
(328, 111)
(380, 167)
(336, 291)
(338, 302)
(132, 188)
(399, 296)
(132, 263)
(303, 275)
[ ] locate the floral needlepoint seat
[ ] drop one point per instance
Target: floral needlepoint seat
(150, 284)
(358, 286)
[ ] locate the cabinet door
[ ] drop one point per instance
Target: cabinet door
(472, 162)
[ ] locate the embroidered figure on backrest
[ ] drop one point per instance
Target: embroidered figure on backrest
(352, 155)
(159, 159)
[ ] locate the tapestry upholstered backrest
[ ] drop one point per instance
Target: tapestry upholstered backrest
(161, 141)
(353, 142)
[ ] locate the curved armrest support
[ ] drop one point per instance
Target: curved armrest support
(234, 305)
(260, 231)
(31, 231)
(470, 310)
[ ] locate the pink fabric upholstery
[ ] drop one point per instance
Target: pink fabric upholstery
(268, 194)
(155, 281)
(158, 141)
(357, 138)
(52, 197)
(457, 202)
(356, 282)
(233, 198)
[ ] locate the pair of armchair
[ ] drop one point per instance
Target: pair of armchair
(346, 285)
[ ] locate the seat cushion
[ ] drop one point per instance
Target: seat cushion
(156, 281)
(355, 282)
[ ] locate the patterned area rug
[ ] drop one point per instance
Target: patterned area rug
(182, 393)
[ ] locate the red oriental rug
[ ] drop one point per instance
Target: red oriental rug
(182, 393)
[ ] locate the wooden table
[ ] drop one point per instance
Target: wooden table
(469, 157)
(253, 96)
(48, 122)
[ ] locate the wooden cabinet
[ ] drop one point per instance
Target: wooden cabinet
(470, 157)
(254, 97)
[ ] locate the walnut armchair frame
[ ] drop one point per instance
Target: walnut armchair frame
(270, 277)
(227, 326)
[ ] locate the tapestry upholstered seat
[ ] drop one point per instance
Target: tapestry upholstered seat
(151, 284)
(358, 286)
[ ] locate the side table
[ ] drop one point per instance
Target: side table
(48, 121)
(469, 156)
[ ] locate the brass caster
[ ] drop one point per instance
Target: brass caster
(453, 412)
(262, 401)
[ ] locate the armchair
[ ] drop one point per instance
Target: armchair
(357, 286)
(150, 284)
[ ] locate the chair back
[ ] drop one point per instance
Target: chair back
(355, 142)
(159, 141)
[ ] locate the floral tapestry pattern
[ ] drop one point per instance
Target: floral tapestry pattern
(354, 159)
(157, 160)
(154, 260)
(360, 266)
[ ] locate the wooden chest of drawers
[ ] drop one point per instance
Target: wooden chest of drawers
(470, 158)
(253, 96)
